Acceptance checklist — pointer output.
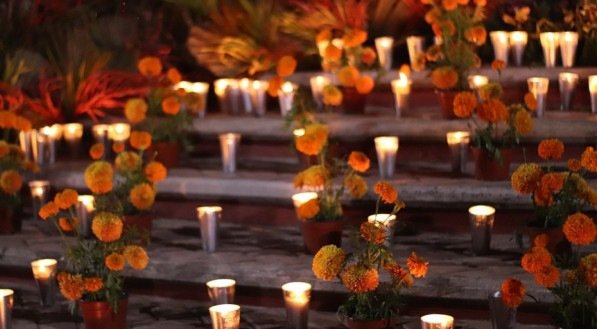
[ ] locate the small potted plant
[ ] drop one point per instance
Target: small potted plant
(371, 303)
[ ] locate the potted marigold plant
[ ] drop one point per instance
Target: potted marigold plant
(371, 303)
(160, 112)
(572, 280)
(321, 217)
(496, 127)
(458, 28)
(556, 194)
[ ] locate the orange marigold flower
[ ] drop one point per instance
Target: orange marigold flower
(22, 124)
(449, 5)
(552, 182)
(313, 177)
(530, 101)
(360, 279)
(386, 192)
(580, 229)
(354, 38)
(170, 105)
(96, 151)
(173, 75)
(444, 77)
(372, 233)
(364, 84)
(356, 185)
(11, 181)
(286, 66)
(48, 210)
(93, 284)
(368, 56)
(358, 161)
(98, 177)
(106, 226)
(498, 65)
(513, 292)
(66, 198)
(477, 35)
(347, 76)
(523, 122)
(142, 196)
(314, 139)
(114, 262)
(547, 276)
(588, 270)
(328, 262)
(323, 35)
(135, 110)
(67, 224)
(118, 147)
(150, 66)
(140, 140)
(464, 104)
(417, 266)
(155, 171)
(550, 149)
(332, 95)
(308, 209)
(71, 286)
(136, 257)
(534, 260)
(492, 110)
(431, 16)
(588, 159)
(541, 240)
(543, 196)
(396, 271)
(274, 85)
(332, 53)
(4, 149)
(574, 165)
(526, 177)
(7, 119)
(127, 161)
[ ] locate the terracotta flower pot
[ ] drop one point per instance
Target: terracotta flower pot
(319, 234)
(99, 315)
(490, 169)
(10, 220)
(446, 103)
(167, 153)
(352, 101)
(557, 242)
(369, 324)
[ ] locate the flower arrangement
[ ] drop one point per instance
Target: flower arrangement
(459, 25)
(360, 271)
(556, 194)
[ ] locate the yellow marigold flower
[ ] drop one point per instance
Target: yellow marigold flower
(372, 233)
(526, 177)
(142, 196)
(114, 262)
(170, 105)
(48, 210)
(580, 229)
(358, 161)
(118, 147)
(173, 75)
(498, 65)
(314, 139)
(550, 149)
(417, 266)
(492, 110)
(364, 84)
(547, 276)
(286, 66)
(360, 279)
(449, 5)
(71, 286)
(136, 257)
(150, 66)
(107, 227)
(541, 240)
(11, 181)
(536, 259)
(444, 77)
(93, 284)
(155, 171)
(588, 159)
(347, 76)
(313, 177)
(386, 192)
(140, 140)
(67, 224)
(588, 270)
(127, 161)
(523, 122)
(135, 110)
(356, 185)
(328, 262)
(513, 292)
(308, 209)
(332, 96)
(464, 104)
(477, 35)
(332, 53)
(530, 101)
(354, 38)
(98, 177)
(96, 151)
(66, 198)
(4, 149)
(274, 85)
(574, 165)
(368, 56)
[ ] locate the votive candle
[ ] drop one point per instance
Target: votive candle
(44, 273)
(567, 82)
(385, 221)
(384, 52)
(518, 42)
(244, 85)
(225, 316)
(229, 143)
(298, 199)
(499, 40)
(415, 45)
(401, 90)
(549, 42)
(53, 134)
(481, 223)
(6, 304)
(458, 142)
(40, 190)
(317, 84)
(195, 96)
(593, 91)
(568, 44)
(209, 222)
(296, 297)
(221, 291)
(85, 208)
(437, 321)
(259, 97)
(286, 97)
(119, 132)
(229, 95)
(538, 86)
(386, 148)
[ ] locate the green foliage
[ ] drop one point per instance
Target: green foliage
(382, 303)
(565, 202)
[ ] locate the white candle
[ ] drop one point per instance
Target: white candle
(39, 188)
(225, 316)
(43, 269)
(6, 304)
(221, 291)
(317, 84)
(119, 132)
(593, 91)
(538, 86)
(457, 137)
(415, 45)
(477, 81)
(298, 199)
(549, 42)
(386, 148)
(518, 42)
(481, 211)
(258, 96)
(298, 132)
(100, 132)
(73, 132)
(499, 40)
(382, 220)
(195, 98)
(221, 85)
(286, 96)
(458, 142)
(209, 218)
(87, 201)
(437, 321)
(296, 298)
(401, 90)
(568, 44)
(567, 82)
(384, 51)
(54, 131)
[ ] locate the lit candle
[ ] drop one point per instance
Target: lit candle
(229, 148)
(481, 222)
(39, 194)
(437, 321)
(384, 51)
(568, 44)
(477, 81)
(26, 143)
(41, 145)
(518, 42)
(101, 135)
(225, 316)
(6, 304)
(593, 91)
(385, 221)
(567, 82)
(296, 298)
(438, 40)
(499, 40)
(85, 208)
(209, 218)
(44, 272)
(195, 96)
(119, 132)
(229, 95)
(549, 42)
(298, 199)
(73, 132)
(245, 95)
(221, 291)
(317, 84)
(285, 97)
(298, 132)
(53, 133)
(401, 90)
(415, 47)
(259, 96)
(539, 86)
(386, 147)
(458, 142)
